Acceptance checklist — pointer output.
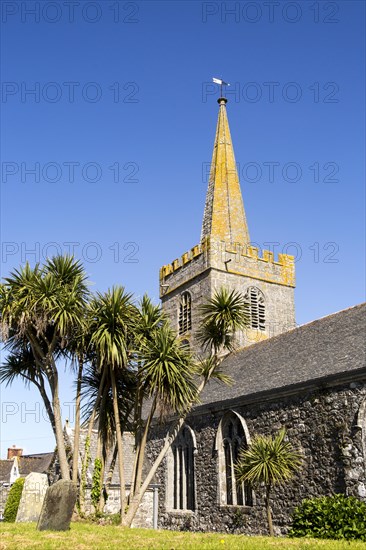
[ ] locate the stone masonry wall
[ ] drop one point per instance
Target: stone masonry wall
(200, 290)
(144, 515)
(321, 423)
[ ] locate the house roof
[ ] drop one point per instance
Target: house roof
(329, 348)
(39, 463)
(5, 469)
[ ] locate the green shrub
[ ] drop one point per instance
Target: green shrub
(335, 517)
(13, 500)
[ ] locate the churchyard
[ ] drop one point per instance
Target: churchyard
(85, 535)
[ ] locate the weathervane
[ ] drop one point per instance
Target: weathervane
(221, 83)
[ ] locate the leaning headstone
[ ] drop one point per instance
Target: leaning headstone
(30, 506)
(58, 506)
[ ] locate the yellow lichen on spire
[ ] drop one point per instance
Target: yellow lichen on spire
(224, 217)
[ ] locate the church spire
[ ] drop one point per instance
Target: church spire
(224, 216)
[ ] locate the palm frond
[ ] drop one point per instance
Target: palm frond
(168, 370)
(268, 460)
(112, 317)
(222, 316)
(210, 368)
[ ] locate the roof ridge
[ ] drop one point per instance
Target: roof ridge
(277, 336)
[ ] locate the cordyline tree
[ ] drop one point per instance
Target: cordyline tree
(104, 422)
(41, 311)
(111, 322)
(158, 374)
(127, 358)
(167, 366)
(268, 461)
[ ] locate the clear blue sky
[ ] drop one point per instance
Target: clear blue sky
(125, 87)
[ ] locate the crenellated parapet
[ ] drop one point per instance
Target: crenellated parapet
(237, 259)
(178, 263)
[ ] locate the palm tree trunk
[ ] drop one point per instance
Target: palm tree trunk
(101, 445)
(102, 499)
(268, 510)
(119, 442)
(140, 454)
(88, 438)
(169, 439)
(46, 401)
(135, 503)
(60, 441)
(137, 424)
(111, 469)
(75, 458)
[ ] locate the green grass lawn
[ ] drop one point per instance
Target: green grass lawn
(85, 536)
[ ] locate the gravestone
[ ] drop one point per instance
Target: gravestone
(58, 506)
(34, 490)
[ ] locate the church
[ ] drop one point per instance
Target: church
(309, 379)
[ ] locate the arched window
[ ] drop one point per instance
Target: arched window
(255, 308)
(232, 436)
(185, 313)
(181, 486)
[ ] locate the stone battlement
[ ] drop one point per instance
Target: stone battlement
(233, 258)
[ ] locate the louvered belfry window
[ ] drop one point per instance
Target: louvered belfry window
(255, 308)
(185, 313)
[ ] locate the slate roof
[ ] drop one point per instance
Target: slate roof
(39, 463)
(5, 469)
(329, 348)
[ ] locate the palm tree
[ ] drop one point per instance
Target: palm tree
(268, 460)
(149, 319)
(100, 413)
(80, 356)
(167, 380)
(43, 307)
(112, 319)
(222, 317)
(165, 371)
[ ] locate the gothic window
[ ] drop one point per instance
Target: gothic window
(182, 471)
(185, 313)
(255, 308)
(231, 439)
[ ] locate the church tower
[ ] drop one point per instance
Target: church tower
(225, 258)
